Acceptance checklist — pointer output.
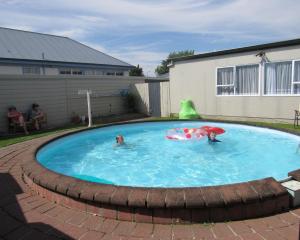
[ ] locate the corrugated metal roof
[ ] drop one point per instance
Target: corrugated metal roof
(17, 44)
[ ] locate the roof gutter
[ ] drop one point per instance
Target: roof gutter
(260, 47)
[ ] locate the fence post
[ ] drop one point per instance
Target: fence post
(88, 97)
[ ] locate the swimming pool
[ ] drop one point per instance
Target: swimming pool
(150, 160)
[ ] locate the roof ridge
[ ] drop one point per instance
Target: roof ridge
(27, 31)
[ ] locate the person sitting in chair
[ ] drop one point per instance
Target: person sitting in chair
(36, 115)
(16, 117)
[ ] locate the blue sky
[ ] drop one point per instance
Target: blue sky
(144, 32)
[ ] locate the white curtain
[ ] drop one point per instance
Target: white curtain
(278, 78)
(297, 72)
(247, 79)
(297, 77)
(225, 77)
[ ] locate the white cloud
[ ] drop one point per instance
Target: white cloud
(135, 55)
(225, 21)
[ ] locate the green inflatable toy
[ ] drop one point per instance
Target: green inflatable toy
(187, 110)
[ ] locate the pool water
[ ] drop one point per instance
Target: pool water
(150, 160)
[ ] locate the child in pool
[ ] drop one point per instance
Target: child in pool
(120, 140)
(212, 137)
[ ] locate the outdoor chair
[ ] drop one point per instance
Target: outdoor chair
(14, 127)
(296, 118)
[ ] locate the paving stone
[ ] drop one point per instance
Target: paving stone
(272, 235)
(46, 207)
(108, 226)
(230, 238)
(34, 216)
(18, 233)
(92, 222)
(202, 231)
(124, 228)
(182, 232)
(289, 218)
(239, 227)
(221, 230)
(143, 230)
(110, 236)
(55, 211)
(251, 236)
(77, 218)
(257, 224)
(70, 230)
(163, 232)
(92, 235)
(7, 224)
(275, 222)
(288, 233)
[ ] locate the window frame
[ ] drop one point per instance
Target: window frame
(65, 70)
(234, 80)
(32, 73)
(292, 80)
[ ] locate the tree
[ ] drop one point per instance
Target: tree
(137, 71)
(163, 67)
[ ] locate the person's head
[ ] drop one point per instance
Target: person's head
(212, 135)
(120, 139)
(35, 106)
(12, 108)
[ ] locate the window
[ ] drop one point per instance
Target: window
(31, 70)
(239, 80)
(64, 71)
(119, 73)
(110, 73)
(278, 78)
(77, 72)
(225, 81)
(93, 72)
(296, 80)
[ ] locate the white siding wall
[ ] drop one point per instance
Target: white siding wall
(58, 95)
(196, 80)
(141, 92)
(5, 69)
(51, 71)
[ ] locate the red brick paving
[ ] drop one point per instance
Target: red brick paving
(24, 215)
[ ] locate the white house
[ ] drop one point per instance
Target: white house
(260, 82)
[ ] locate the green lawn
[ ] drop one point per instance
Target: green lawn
(16, 139)
(5, 141)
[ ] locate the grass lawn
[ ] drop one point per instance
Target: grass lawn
(5, 141)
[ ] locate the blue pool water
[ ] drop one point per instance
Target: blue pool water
(151, 160)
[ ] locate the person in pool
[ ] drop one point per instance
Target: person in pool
(212, 137)
(120, 140)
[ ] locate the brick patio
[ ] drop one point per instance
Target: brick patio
(25, 215)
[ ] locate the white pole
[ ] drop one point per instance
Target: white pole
(89, 108)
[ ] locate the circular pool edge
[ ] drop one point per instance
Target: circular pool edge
(220, 203)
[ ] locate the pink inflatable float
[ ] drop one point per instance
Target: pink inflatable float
(192, 133)
(186, 133)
